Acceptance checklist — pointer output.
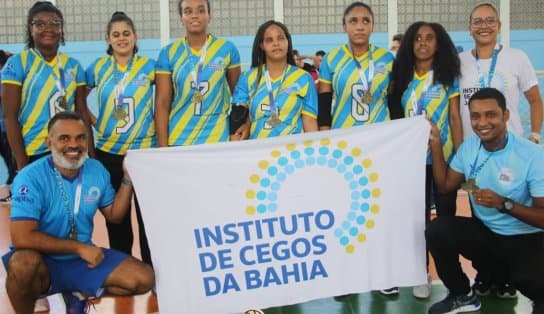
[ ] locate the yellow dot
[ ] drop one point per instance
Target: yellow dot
(308, 143)
(375, 208)
(361, 237)
(376, 193)
(367, 163)
(254, 178)
(250, 210)
(373, 177)
(325, 142)
(263, 164)
(342, 144)
(291, 147)
(250, 194)
(370, 224)
(275, 153)
(350, 248)
(356, 152)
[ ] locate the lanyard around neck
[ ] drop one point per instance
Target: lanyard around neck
(474, 170)
(122, 83)
(367, 82)
(60, 80)
(417, 103)
(271, 98)
(196, 74)
(491, 72)
(77, 199)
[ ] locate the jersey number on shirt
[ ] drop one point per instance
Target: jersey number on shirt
(128, 103)
(204, 87)
(359, 111)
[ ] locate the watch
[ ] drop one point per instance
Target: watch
(508, 205)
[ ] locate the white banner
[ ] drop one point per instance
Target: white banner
(272, 222)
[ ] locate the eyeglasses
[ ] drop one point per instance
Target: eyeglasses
(41, 25)
(479, 22)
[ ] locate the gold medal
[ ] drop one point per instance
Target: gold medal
(470, 185)
(119, 114)
(273, 120)
(73, 233)
(367, 98)
(63, 104)
(197, 97)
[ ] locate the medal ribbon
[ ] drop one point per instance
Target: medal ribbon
(367, 82)
(273, 106)
(77, 199)
(491, 72)
(475, 170)
(196, 75)
(60, 80)
(417, 104)
(122, 84)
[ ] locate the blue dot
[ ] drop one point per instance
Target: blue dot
(310, 161)
(348, 160)
(289, 169)
(365, 207)
(332, 163)
(272, 196)
(272, 170)
(299, 163)
(363, 181)
(353, 231)
(348, 176)
(309, 151)
(261, 208)
(341, 168)
(365, 194)
(275, 186)
(354, 205)
(361, 220)
(295, 154)
(357, 169)
(346, 225)
(337, 153)
(352, 215)
(261, 195)
(282, 161)
(338, 232)
(321, 160)
(344, 241)
(353, 185)
(272, 207)
(281, 176)
(265, 182)
(355, 195)
(323, 150)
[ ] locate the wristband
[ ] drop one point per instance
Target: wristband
(126, 181)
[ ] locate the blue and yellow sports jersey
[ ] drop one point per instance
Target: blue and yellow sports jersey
(39, 92)
(204, 122)
(294, 95)
(339, 69)
(135, 128)
(435, 103)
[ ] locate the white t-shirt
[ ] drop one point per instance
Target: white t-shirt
(514, 75)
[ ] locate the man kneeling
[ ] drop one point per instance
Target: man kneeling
(52, 210)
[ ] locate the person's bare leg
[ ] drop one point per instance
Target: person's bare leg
(130, 277)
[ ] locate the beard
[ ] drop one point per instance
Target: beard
(63, 162)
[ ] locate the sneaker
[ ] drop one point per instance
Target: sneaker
(460, 303)
(538, 308)
(423, 291)
(344, 297)
(75, 305)
(506, 291)
(41, 305)
(390, 292)
(481, 288)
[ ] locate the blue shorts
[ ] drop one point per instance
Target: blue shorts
(71, 275)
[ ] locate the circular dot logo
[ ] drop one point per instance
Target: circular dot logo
(349, 163)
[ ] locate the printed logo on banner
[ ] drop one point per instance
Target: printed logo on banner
(348, 162)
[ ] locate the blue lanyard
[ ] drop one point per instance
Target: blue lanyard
(121, 84)
(273, 106)
(367, 82)
(491, 72)
(475, 170)
(59, 81)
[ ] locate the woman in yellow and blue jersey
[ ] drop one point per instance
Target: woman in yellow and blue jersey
(424, 82)
(39, 82)
(354, 75)
(195, 76)
(281, 97)
(124, 86)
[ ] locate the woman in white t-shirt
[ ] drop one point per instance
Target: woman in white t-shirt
(509, 70)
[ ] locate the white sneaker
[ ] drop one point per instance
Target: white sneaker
(423, 291)
(41, 305)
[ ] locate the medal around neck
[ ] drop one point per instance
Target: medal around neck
(470, 186)
(119, 113)
(197, 97)
(273, 120)
(368, 98)
(63, 104)
(73, 233)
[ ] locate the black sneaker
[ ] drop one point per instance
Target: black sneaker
(390, 292)
(344, 297)
(506, 291)
(481, 288)
(74, 305)
(460, 303)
